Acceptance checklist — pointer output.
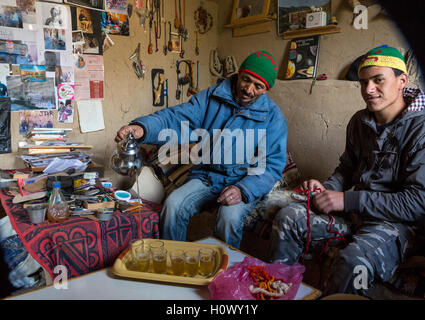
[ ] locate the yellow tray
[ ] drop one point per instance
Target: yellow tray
(221, 260)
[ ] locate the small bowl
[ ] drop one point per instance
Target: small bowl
(122, 195)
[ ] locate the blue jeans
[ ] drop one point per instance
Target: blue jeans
(192, 198)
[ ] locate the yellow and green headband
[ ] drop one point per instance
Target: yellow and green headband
(384, 56)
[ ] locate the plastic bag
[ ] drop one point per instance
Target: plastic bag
(233, 283)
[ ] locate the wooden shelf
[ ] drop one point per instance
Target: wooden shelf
(247, 22)
(311, 32)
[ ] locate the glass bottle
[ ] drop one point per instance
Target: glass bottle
(58, 210)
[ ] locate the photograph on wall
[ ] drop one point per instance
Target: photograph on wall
(30, 119)
(65, 111)
(77, 37)
(27, 8)
(64, 74)
(31, 95)
(291, 13)
(53, 15)
(302, 58)
(91, 44)
(33, 73)
(10, 17)
(118, 6)
(4, 72)
(51, 60)
(115, 23)
(18, 52)
(54, 39)
(84, 20)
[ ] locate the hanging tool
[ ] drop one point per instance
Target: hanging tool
(166, 93)
(170, 43)
(165, 48)
(191, 90)
(138, 67)
(196, 48)
(150, 39)
(156, 36)
(176, 18)
(182, 30)
(197, 76)
(181, 48)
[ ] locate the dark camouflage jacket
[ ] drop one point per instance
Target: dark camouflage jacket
(383, 174)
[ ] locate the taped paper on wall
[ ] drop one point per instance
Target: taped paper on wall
(91, 115)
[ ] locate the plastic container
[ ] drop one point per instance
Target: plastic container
(122, 195)
(58, 210)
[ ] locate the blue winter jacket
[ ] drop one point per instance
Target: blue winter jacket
(254, 157)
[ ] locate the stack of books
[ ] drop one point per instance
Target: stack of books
(44, 144)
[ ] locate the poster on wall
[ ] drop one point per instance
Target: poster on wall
(89, 4)
(115, 23)
(303, 57)
(86, 27)
(118, 6)
(88, 77)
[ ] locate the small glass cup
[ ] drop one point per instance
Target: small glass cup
(159, 260)
(191, 263)
(177, 261)
(132, 264)
(141, 256)
(156, 244)
(206, 261)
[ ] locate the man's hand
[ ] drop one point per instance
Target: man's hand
(137, 131)
(328, 201)
(230, 195)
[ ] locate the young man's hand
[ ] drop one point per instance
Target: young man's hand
(314, 185)
(230, 195)
(137, 131)
(328, 201)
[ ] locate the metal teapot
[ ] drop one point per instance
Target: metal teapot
(127, 160)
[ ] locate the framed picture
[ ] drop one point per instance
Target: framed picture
(246, 11)
(291, 13)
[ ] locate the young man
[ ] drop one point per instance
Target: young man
(376, 195)
(243, 137)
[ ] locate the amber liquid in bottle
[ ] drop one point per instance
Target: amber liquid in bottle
(58, 210)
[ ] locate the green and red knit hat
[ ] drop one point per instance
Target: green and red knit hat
(262, 65)
(384, 56)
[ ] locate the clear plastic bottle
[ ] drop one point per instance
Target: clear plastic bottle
(58, 210)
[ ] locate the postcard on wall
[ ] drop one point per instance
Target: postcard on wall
(31, 95)
(51, 60)
(89, 77)
(90, 114)
(118, 6)
(64, 74)
(65, 111)
(30, 119)
(54, 39)
(303, 57)
(33, 73)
